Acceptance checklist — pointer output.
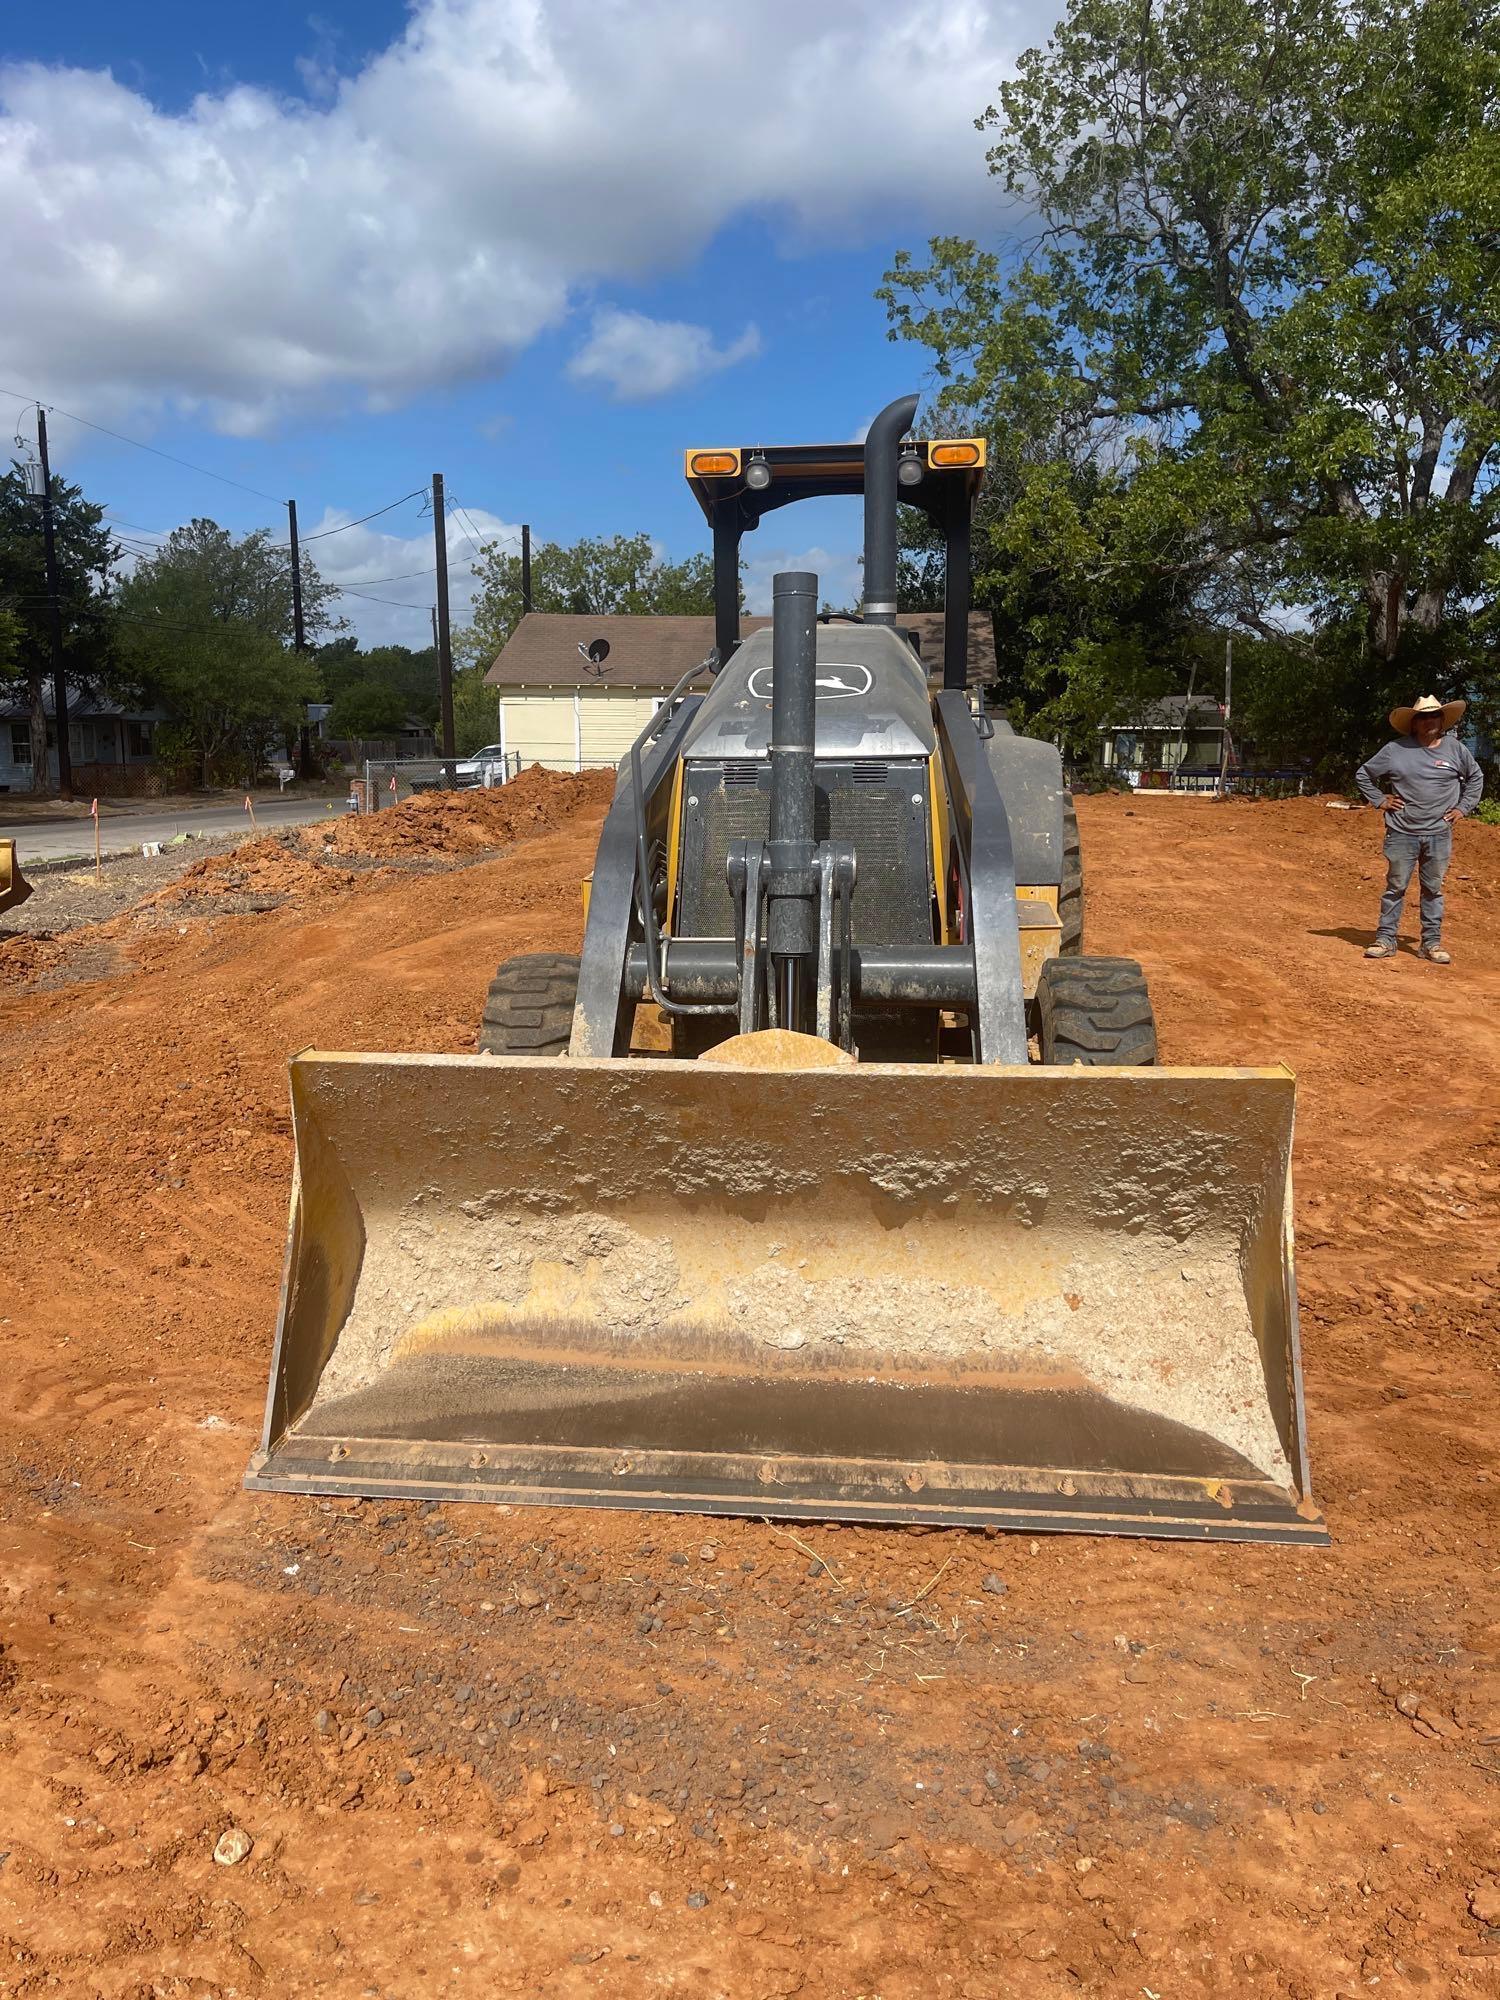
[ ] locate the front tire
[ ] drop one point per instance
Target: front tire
(1095, 1011)
(529, 1008)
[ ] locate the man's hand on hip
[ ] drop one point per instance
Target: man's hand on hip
(1392, 802)
(1452, 814)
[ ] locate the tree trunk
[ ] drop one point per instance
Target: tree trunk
(39, 773)
(1387, 615)
(1385, 607)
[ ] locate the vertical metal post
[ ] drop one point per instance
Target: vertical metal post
(54, 619)
(444, 637)
(791, 914)
(726, 579)
(956, 592)
(1224, 746)
(525, 567)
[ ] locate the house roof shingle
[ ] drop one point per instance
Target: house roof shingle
(14, 706)
(655, 651)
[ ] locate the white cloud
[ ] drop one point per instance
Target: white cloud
(388, 578)
(839, 573)
(637, 358)
(421, 220)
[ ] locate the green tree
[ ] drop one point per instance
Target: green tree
(476, 714)
(592, 577)
(1084, 629)
(412, 676)
(206, 626)
(85, 553)
(369, 709)
(1261, 305)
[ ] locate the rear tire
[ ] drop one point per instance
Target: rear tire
(1095, 1011)
(529, 1008)
(1070, 892)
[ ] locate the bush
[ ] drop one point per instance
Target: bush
(1487, 812)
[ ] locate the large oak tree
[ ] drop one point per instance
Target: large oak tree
(1253, 291)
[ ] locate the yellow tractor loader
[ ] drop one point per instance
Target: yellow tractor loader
(14, 888)
(910, 1225)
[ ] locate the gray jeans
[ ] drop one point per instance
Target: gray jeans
(1429, 854)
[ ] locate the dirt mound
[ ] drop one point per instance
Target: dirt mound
(275, 866)
(448, 825)
(24, 958)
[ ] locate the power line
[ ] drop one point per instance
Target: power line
(475, 539)
(401, 576)
(204, 471)
(119, 521)
(153, 619)
(171, 457)
(397, 602)
(322, 535)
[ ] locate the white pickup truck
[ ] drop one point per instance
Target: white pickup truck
(485, 767)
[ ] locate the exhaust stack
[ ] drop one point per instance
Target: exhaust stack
(791, 887)
(881, 440)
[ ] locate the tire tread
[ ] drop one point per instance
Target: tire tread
(528, 1010)
(1095, 1011)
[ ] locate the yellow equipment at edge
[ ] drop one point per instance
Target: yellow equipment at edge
(14, 888)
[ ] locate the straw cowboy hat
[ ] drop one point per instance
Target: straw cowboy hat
(1429, 704)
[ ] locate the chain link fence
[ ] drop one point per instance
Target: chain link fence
(390, 780)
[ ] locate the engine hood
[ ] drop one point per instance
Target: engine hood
(872, 699)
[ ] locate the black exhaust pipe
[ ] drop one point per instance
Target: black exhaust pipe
(791, 881)
(881, 440)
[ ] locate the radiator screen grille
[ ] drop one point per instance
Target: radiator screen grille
(881, 809)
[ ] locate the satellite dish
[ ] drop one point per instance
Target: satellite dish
(596, 652)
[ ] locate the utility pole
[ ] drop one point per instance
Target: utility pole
(54, 618)
(444, 637)
(525, 567)
(1228, 681)
(299, 640)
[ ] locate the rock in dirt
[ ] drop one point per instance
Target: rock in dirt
(232, 1847)
(1484, 1900)
(996, 1585)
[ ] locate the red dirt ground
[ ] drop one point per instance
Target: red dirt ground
(491, 1753)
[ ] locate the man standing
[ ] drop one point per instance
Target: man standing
(1433, 782)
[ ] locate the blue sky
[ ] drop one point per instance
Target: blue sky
(327, 252)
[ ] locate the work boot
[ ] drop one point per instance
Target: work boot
(1436, 954)
(1382, 948)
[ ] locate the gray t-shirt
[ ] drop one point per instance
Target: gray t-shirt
(1430, 781)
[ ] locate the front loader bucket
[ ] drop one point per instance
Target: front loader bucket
(14, 888)
(1037, 1298)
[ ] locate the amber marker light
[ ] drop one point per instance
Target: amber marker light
(968, 451)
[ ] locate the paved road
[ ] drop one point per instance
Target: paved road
(119, 835)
